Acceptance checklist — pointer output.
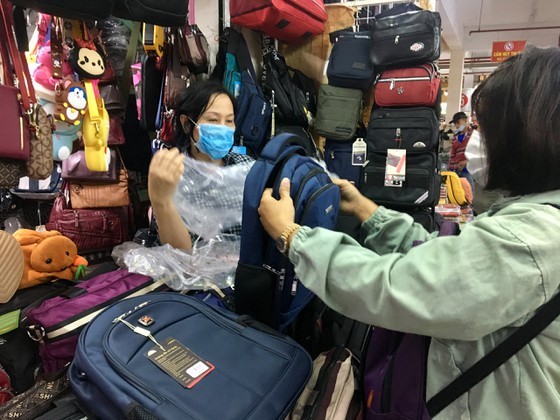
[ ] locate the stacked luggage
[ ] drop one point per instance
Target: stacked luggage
(403, 131)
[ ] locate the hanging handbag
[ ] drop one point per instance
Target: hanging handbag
(15, 101)
(88, 195)
(193, 48)
(411, 86)
(75, 169)
(40, 163)
(178, 77)
(92, 230)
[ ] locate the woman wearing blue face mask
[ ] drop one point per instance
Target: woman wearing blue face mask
(204, 122)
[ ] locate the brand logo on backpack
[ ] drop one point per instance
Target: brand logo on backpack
(146, 321)
(400, 90)
(417, 47)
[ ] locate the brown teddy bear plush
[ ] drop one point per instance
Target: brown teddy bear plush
(47, 256)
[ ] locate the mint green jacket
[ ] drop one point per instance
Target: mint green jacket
(469, 292)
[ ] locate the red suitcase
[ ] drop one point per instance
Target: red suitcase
(412, 86)
(290, 21)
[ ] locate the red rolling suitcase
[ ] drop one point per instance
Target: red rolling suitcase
(412, 86)
(289, 21)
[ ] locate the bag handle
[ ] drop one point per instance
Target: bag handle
(399, 9)
(277, 147)
(22, 79)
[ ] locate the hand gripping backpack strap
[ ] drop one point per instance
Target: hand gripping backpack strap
(497, 357)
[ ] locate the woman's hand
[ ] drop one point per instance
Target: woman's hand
(353, 202)
(277, 215)
(165, 171)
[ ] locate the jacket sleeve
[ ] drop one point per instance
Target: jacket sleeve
(461, 287)
(391, 231)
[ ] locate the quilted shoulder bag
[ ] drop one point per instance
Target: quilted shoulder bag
(92, 230)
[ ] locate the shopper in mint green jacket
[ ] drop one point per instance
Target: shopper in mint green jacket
(470, 291)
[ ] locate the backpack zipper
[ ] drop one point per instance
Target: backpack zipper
(312, 173)
(403, 79)
(385, 405)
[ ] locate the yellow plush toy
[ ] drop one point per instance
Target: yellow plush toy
(47, 256)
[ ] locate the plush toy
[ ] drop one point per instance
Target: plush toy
(71, 102)
(47, 256)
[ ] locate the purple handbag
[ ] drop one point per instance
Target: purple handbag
(57, 322)
(74, 169)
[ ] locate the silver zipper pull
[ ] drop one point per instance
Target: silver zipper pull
(141, 331)
(392, 84)
(397, 39)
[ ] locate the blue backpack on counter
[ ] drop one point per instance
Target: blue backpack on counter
(171, 356)
(266, 286)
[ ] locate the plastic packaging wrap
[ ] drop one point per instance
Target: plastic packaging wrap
(211, 262)
(209, 198)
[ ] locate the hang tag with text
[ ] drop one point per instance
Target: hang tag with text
(179, 362)
(359, 152)
(395, 168)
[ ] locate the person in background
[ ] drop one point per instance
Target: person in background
(204, 121)
(457, 159)
(469, 292)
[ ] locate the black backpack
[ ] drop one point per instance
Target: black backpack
(290, 105)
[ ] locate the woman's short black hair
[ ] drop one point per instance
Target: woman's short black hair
(518, 109)
(195, 101)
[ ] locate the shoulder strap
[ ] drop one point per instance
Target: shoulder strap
(238, 47)
(18, 57)
(497, 357)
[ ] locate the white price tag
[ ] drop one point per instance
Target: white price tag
(395, 168)
(359, 152)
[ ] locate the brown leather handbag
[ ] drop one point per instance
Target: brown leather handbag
(86, 195)
(91, 230)
(40, 163)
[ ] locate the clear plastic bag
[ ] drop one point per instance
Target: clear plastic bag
(211, 262)
(209, 198)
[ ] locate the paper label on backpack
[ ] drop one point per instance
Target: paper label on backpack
(179, 362)
(359, 152)
(395, 168)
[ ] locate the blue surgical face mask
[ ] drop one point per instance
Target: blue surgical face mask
(214, 140)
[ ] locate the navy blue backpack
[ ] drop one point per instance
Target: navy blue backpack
(266, 286)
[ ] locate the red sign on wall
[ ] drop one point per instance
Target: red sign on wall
(502, 50)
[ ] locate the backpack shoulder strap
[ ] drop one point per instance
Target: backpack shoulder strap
(497, 357)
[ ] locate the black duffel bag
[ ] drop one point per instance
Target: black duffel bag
(406, 35)
(157, 12)
(420, 189)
